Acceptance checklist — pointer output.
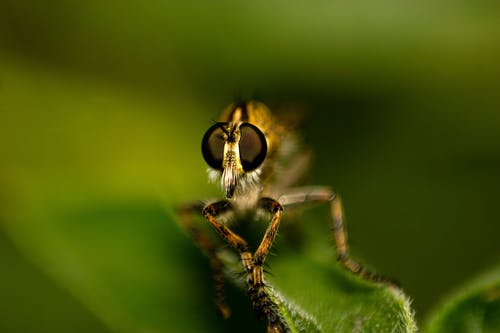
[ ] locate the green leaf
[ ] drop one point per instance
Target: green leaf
(473, 308)
(316, 295)
(131, 266)
(340, 303)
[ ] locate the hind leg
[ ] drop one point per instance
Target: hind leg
(308, 195)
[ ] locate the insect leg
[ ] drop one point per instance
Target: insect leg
(306, 195)
(260, 299)
(211, 212)
(340, 236)
(275, 208)
(207, 245)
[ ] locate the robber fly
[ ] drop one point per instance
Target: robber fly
(243, 152)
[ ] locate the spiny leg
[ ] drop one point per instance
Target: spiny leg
(341, 243)
(185, 213)
(211, 212)
(260, 300)
(312, 195)
(274, 207)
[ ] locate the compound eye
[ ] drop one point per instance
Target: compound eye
(253, 147)
(212, 146)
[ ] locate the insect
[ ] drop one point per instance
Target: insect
(254, 158)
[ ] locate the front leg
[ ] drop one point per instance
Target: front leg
(260, 299)
(211, 211)
(274, 207)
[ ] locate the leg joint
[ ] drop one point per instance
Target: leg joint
(215, 208)
(258, 259)
(271, 205)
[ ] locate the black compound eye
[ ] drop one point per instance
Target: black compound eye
(253, 147)
(212, 146)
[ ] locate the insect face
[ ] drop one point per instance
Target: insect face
(236, 149)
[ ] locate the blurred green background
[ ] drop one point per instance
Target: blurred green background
(103, 106)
